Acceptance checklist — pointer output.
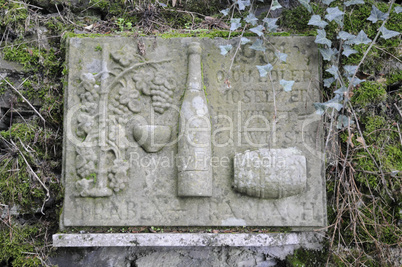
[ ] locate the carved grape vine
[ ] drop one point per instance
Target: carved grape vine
(108, 99)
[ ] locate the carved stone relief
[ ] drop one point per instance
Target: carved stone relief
(111, 98)
(175, 138)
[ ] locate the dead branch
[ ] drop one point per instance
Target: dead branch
(23, 97)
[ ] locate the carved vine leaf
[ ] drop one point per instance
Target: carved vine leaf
(86, 125)
(126, 56)
(143, 80)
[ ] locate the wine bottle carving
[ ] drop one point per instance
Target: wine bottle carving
(194, 146)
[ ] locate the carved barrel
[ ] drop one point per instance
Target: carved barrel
(194, 146)
(270, 173)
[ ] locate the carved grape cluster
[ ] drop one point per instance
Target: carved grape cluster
(86, 160)
(118, 175)
(89, 105)
(159, 86)
(162, 92)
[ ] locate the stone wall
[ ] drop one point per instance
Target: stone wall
(31, 193)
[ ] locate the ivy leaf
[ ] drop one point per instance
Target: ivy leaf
(235, 24)
(225, 12)
(354, 2)
(345, 36)
(356, 81)
(282, 56)
(344, 121)
(386, 34)
(251, 19)
(275, 5)
(339, 20)
(337, 106)
(321, 38)
(333, 12)
(317, 21)
(328, 53)
(264, 69)
(347, 51)
(376, 15)
(333, 103)
(349, 70)
(306, 4)
(327, 2)
(287, 85)
(258, 45)
(258, 30)
(243, 3)
(334, 71)
(328, 82)
(341, 91)
(271, 24)
(319, 108)
(398, 9)
(225, 49)
(244, 40)
(361, 38)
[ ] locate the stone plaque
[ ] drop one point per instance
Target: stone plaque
(175, 134)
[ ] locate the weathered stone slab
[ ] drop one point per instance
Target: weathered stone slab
(186, 240)
(151, 136)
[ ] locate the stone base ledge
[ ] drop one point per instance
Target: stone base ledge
(305, 239)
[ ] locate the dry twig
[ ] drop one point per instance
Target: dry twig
(23, 97)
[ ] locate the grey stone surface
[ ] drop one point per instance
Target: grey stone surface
(142, 256)
(10, 67)
(172, 257)
(186, 240)
(120, 167)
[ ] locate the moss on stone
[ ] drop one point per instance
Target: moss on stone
(296, 20)
(394, 78)
(19, 245)
(17, 184)
(13, 16)
(369, 93)
(33, 59)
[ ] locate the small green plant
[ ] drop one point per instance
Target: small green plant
(120, 24)
(129, 26)
(123, 25)
(98, 48)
